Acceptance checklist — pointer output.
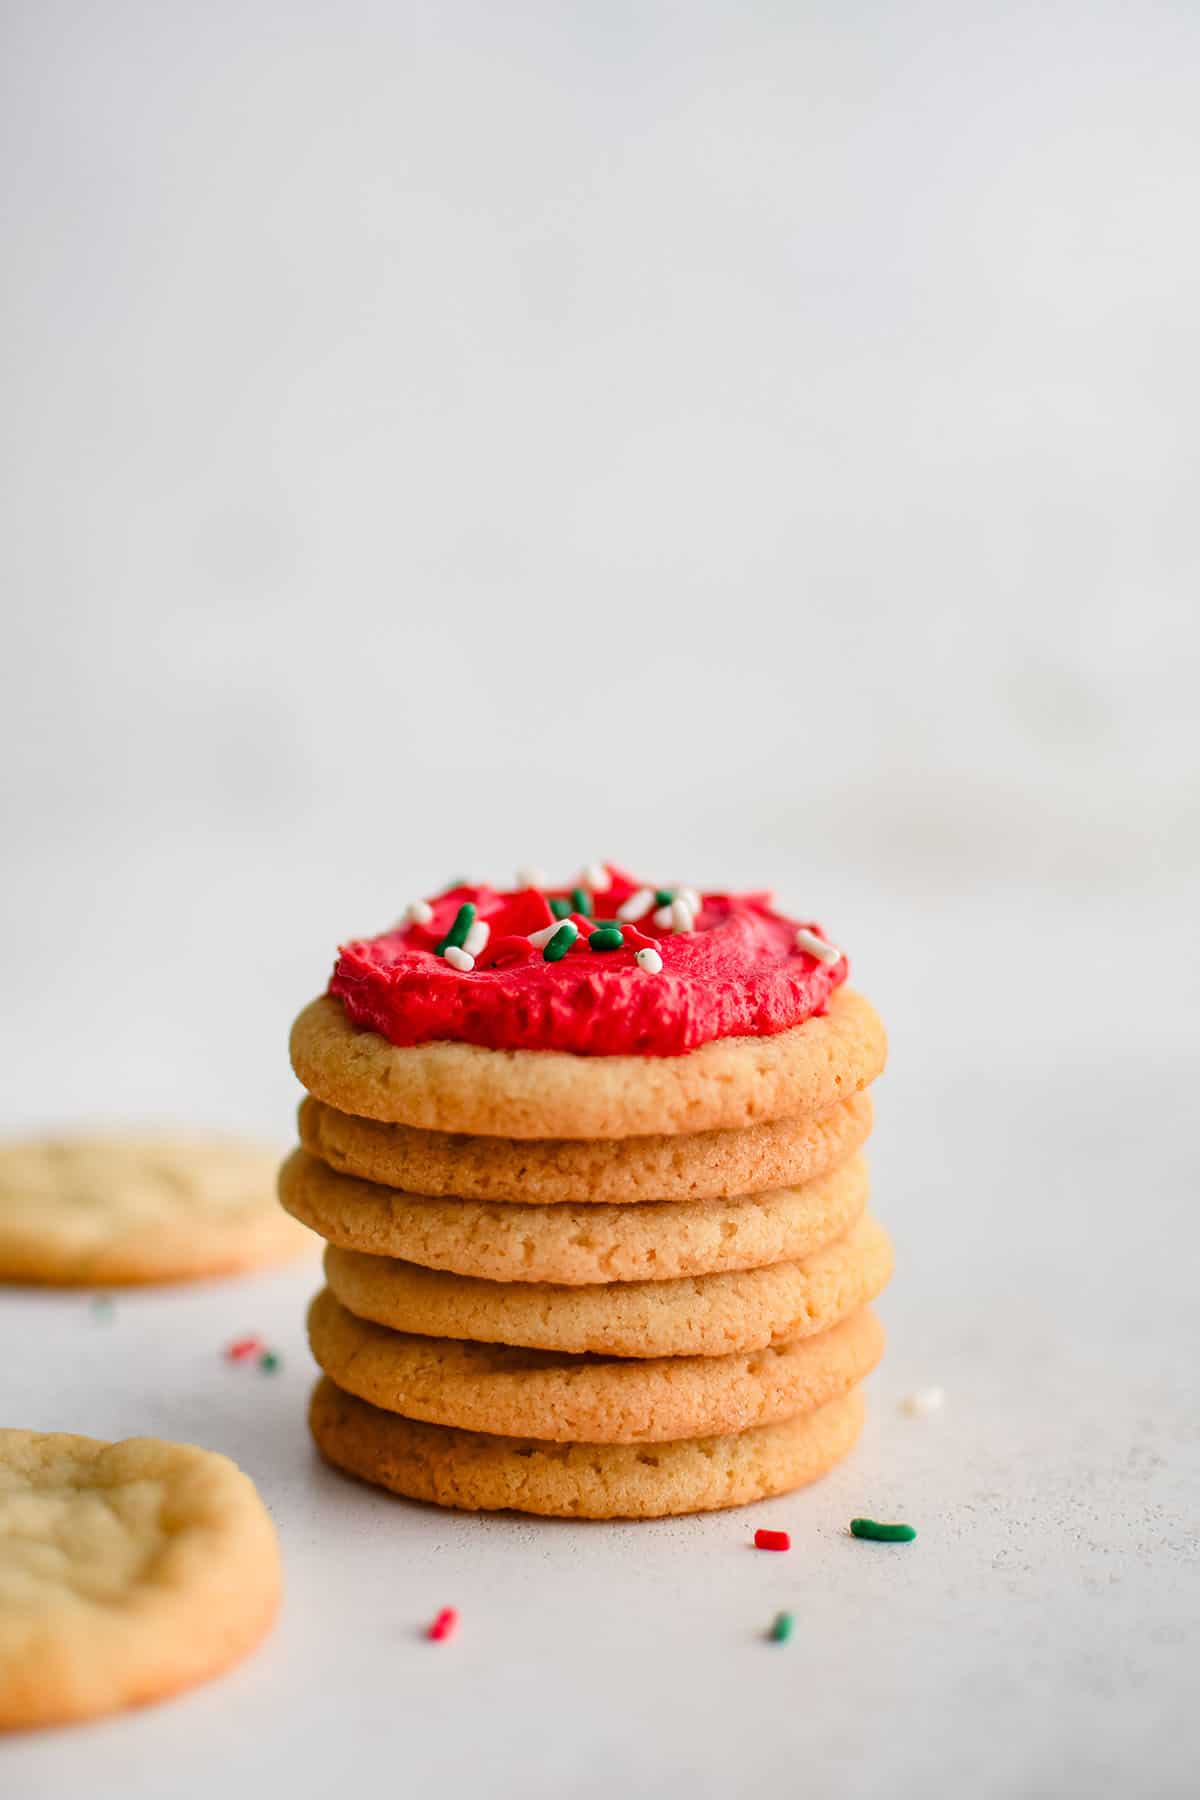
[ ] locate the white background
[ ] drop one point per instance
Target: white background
(758, 444)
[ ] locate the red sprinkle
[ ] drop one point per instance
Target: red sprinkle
(444, 1625)
(772, 1540)
(244, 1347)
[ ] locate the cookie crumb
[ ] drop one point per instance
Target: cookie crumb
(923, 1401)
(443, 1626)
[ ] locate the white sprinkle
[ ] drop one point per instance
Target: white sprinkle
(816, 946)
(531, 878)
(649, 960)
(924, 1400)
(664, 918)
(692, 898)
(637, 906)
(476, 939)
(539, 939)
(682, 916)
(419, 913)
(596, 877)
(458, 959)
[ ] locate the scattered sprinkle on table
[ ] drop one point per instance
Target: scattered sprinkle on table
(102, 1306)
(772, 1540)
(444, 1625)
(243, 1348)
(268, 1362)
(882, 1534)
(923, 1401)
(781, 1628)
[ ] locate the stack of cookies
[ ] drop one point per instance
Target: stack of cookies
(588, 1162)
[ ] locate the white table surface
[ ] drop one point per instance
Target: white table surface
(1037, 1639)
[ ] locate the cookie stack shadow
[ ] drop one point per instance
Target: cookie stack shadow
(591, 1327)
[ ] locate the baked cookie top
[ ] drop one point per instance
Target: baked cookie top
(608, 967)
(100, 1210)
(127, 1571)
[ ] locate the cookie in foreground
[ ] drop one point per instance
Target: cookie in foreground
(127, 1572)
(476, 1472)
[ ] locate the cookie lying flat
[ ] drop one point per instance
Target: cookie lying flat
(127, 1571)
(574, 1245)
(574, 1399)
(702, 1165)
(698, 1315)
(475, 1472)
(93, 1211)
(727, 1084)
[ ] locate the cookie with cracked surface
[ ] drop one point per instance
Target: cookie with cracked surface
(92, 1211)
(701, 1165)
(574, 1246)
(585, 1399)
(477, 1472)
(696, 1315)
(727, 1084)
(127, 1571)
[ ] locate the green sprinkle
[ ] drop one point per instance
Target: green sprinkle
(882, 1534)
(781, 1629)
(561, 942)
(606, 937)
(464, 918)
(102, 1306)
(663, 896)
(581, 902)
(560, 908)
(268, 1362)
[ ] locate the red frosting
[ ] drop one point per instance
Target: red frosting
(739, 973)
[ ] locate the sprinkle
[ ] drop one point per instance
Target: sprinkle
(663, 896)
(242, 1348)
(476, 939)
(454, 939)
(637, 906)
(462, 960)
(539, 939)
(772, 1540)
(531, 878)
(418, 913)
(608, 937)
(664, 916)
(816, 946)
(682, 916)
(692, 898)
(649, 960)
(444, 1625)
(559, 907)
(581, 902)
(882, 1534)
(781, 1629)
(560, 943)
(269, 1362)
(924, 1400)
(597, 877)
(102, 1306)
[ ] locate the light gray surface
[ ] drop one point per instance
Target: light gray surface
(756, 442)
